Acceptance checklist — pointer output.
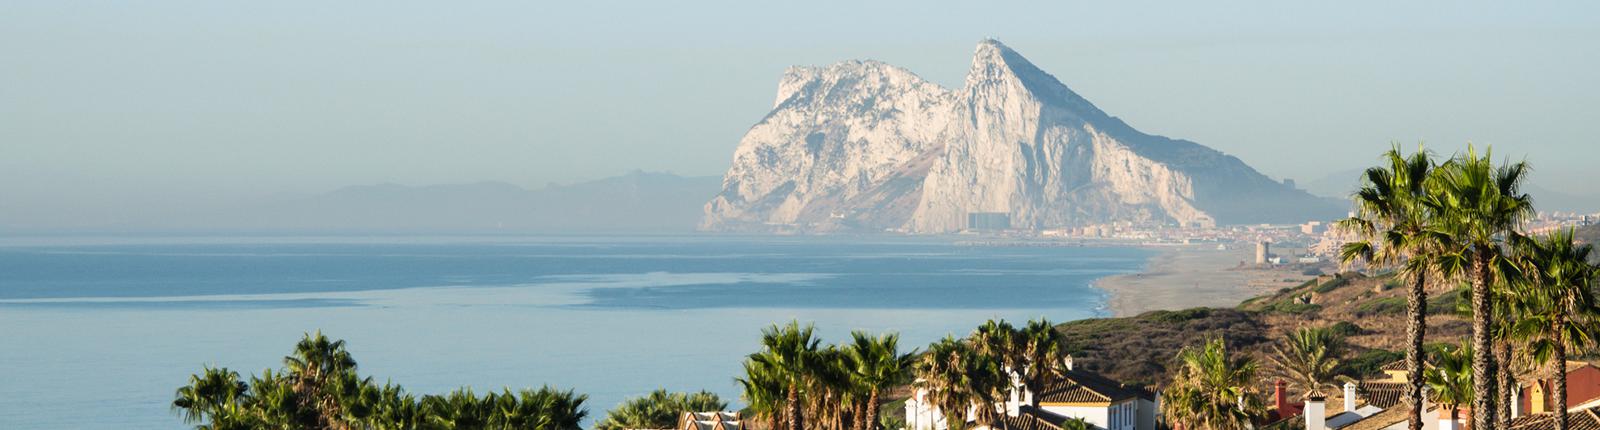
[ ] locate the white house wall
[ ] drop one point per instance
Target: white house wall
(1097, 416)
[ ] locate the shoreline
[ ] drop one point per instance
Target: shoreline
(1187, 277)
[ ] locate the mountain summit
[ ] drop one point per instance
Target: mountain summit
(863, 145)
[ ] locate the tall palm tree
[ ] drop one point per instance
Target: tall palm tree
(791, 351)
(997, 342)
(319, 366)
(1556, 286)
(1212, 390)
(1450, 379)
(876, 364)
(1307, 359)
(1033, 355)
(1396, 228)
(1043, 356)
(830, 391)
(762, 389)
(1478, 205)
(957, 377)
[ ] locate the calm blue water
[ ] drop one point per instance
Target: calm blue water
(97, 333)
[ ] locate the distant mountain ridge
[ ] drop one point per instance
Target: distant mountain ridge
(867, 146)
(635, 202)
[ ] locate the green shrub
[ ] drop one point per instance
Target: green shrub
(1174, 317)
(1346, 328)
(1338, 281)
(1369, 363)
(1383, 306)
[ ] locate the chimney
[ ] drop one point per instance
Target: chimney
(1427, 405)
(1451, 419)
(1280, 399)
(1067, 361)
(1349, 397)
(1316, 414)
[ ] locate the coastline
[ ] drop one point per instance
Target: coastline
(1189, 276)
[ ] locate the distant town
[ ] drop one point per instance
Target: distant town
(1311, 242)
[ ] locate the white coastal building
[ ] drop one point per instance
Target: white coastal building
(1100, 402)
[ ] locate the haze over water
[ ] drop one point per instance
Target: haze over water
(99, 332)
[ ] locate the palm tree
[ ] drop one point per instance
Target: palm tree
(210, 395)
(321, 368)
(1502, 332)
(1396, 228)
(543, 409)
(659, 409)
(1212, 391)
(876, 364)
(1034, 354)
(762, 389)
(1307, 358)
(1556, 286)
(956, 377)
(791, 352)
(1043, 356)
(276, 404)
(1478, 205)
(1450, 380)
(829, 390)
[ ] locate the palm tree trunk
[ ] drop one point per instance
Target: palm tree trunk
(1561, 370)
(1416, 331)
(1508, 382)
(794, 407)
(872, 412)
(1483, 416)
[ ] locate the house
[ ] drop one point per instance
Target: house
(1100, 402)
(1581, 419)
(709, 421)
(1360, 413)
(1583, 389)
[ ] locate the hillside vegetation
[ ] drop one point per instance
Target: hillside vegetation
(1370, 311)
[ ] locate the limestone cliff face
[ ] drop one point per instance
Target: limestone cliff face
(863, 145)
(844, 147)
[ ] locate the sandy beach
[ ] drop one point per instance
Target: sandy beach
(1190, 276)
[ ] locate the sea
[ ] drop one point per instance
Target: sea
(98, 332)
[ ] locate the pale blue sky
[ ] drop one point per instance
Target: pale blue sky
(104, 104)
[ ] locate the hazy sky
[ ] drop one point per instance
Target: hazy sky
(107, 104)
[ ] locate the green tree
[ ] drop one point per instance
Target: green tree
(321, 369)
(1556, 287)
(1450, 380)
(1308, 358)
(956, 377)
(213, 399)
(1397, 229)
(762, 389)
(659, 409)
(791, 353)
(876, 364)
(1477, 205)
(1212, 390)
(319, 389)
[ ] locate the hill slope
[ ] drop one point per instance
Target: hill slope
(1370, 310)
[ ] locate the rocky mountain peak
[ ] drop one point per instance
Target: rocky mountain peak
(995, 64)
(863, 145)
